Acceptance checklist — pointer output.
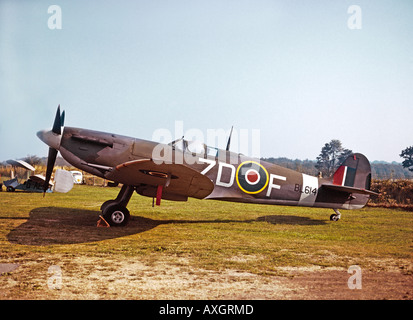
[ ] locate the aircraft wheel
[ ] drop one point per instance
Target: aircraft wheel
(10, 189)
(116, 215)
(106, 204)
(334, 217)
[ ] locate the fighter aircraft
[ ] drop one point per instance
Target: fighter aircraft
(183, 169)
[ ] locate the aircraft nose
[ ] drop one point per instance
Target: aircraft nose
(50, 138)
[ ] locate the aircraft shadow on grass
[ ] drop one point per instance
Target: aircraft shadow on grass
(53, 225)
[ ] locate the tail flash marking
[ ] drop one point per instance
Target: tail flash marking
(340, 176)
(344, 176)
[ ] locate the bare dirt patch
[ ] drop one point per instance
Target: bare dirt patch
(174, 278)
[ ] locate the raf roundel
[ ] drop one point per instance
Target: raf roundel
(251, 177)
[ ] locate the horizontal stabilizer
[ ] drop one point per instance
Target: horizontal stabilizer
(349, 189)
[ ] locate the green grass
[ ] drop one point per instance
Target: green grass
(209, 234)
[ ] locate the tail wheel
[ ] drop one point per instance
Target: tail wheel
(116, 215)
(334, 217)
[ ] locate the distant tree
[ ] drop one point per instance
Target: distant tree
(323, 160)
(343, 155)
(332, 154)
(407, 154)
(32, 160)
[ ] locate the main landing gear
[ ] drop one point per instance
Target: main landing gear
(114, 211)
(335, 216)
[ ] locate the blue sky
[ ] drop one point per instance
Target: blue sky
(293, 70)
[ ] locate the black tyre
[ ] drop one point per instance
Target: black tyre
(116, 215)
(334, 217)
(107, 204)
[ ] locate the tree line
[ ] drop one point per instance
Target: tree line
(333, 154)
(379, 169)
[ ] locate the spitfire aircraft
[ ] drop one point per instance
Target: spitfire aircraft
(179, 170)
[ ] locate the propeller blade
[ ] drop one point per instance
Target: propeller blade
(50, 164)
(62, 118)
(57, 122)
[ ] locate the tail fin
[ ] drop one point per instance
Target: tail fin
(355, 172)
(350, 188)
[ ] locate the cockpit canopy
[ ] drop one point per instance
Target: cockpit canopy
(194, 147)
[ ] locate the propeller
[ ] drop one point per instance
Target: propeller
(57, 125)
(51, 159)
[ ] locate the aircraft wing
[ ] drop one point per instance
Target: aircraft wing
(175, 178)
(21, 164)
(348, 189)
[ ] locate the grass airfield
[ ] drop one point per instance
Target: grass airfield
(200, 249)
